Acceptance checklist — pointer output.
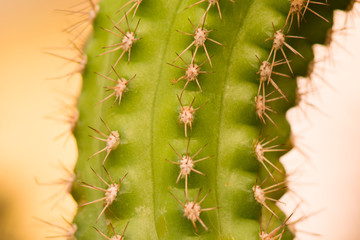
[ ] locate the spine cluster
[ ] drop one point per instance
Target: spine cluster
(126, 39)
(266, 72)
(86, 12)
(267, 75)
(186, 162)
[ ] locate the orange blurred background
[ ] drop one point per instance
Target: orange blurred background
(28, 146)
(327, 180)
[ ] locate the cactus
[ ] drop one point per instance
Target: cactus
(185, 102)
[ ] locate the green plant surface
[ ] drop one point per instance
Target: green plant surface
(148, 118)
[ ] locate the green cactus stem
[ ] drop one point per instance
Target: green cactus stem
(183, 75)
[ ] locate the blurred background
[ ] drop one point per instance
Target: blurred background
(323, 168)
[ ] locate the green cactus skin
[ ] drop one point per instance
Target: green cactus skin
(148, 118)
